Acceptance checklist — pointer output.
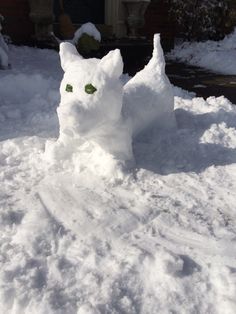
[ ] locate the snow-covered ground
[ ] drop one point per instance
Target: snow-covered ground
(162, 240)
(217, 56)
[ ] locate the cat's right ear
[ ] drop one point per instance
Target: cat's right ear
(68, 54)
(112, 63)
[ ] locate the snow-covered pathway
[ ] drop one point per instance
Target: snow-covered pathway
(162, 240)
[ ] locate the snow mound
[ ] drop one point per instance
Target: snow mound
(95, 131)
(218, 56)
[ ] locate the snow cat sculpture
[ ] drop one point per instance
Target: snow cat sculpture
(99, 117)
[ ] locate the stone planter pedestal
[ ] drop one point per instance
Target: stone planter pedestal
(41, 14)
(135, 10)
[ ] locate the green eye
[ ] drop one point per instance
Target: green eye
(90, 89)
(69, 88)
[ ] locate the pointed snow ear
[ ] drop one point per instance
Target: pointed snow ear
(68, 53)
(112, 63)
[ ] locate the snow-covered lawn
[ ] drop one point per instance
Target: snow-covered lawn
(217, 56)
(162, 240)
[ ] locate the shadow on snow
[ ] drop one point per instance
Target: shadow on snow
(181, 150)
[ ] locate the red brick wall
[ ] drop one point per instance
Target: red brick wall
(17, 24)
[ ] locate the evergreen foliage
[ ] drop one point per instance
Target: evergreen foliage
(199, 19)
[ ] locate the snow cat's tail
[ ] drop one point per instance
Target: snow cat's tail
(148, 96)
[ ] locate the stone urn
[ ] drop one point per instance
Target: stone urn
(41, 14)
(135, 10)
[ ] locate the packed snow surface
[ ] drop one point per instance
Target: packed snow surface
(217, 56)
(160, 240)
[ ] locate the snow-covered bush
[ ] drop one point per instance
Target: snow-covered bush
(3, 48)
(199, 19)
(87, 38)
(96, 125)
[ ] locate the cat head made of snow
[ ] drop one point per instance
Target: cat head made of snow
(91, 90)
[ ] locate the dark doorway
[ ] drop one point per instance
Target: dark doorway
(82, 11)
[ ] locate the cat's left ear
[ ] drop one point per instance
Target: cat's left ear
(68, 54)
(112, 64)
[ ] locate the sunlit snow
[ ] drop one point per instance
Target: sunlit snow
(161, 239)
(217, 56)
